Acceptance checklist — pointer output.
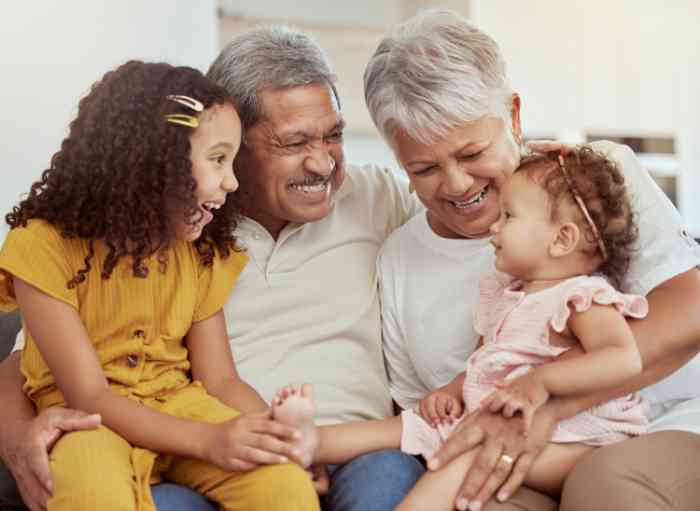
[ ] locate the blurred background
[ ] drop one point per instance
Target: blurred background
(622, 69)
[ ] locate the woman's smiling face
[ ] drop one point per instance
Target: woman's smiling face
(458, 177)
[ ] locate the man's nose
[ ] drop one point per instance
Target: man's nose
(320, 161)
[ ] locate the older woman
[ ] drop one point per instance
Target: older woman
(438, 92)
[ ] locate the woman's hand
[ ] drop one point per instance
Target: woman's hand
(440, 407)
(525, 394)
(505, 455)
(249, 441)
(26, 448)
(547, 146)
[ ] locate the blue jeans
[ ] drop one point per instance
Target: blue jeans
(373, 482)
(173, 497)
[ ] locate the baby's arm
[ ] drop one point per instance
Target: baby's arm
(610, 358)
(443, 404)
(65, 346)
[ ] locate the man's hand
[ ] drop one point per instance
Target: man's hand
(440, 407)
(525, 394)
(505, 455)
(25, 447)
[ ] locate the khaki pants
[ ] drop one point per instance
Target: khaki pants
(655, 472)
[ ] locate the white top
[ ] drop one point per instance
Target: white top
(430, 286)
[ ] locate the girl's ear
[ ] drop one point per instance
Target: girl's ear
(566, 240)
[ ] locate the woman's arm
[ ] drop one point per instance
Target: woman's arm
(213, 365)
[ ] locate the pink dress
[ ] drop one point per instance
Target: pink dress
(515, 327)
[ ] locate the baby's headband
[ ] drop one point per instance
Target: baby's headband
(583, 208)
(185, 119)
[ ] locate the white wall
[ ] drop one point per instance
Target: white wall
(610, 67)
(54, 50)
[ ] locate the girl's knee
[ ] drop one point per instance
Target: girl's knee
(286, 486)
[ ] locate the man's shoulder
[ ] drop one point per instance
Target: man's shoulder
(368, 177)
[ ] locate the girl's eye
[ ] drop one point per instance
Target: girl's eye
(507, 215)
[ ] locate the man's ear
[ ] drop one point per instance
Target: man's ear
(566, 240)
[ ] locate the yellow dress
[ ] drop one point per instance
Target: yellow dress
(137, 327)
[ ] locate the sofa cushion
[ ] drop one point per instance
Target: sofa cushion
(10, 324)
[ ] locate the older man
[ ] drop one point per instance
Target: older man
(306, 307)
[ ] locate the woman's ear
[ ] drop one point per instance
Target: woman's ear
(566, 240)
(516, 127)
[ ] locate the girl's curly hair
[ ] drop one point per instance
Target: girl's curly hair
(600, 184)
(123, 170)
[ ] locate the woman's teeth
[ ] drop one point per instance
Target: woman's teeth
(475, 200)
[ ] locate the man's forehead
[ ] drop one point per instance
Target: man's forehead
(300, 108)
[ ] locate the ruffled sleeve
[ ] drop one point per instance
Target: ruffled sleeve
(585, 291)
(40, 256)
(491, 287)
(215, 283)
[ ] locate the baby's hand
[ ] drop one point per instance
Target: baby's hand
(524, 394)
(439, 407)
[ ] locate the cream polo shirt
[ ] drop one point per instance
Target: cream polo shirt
(430, 287)
(306, 307)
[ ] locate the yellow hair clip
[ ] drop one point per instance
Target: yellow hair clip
(183, 119)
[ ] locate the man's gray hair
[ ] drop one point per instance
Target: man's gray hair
(434, 73)
(270, 57)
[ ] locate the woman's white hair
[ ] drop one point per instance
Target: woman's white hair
(434, 73)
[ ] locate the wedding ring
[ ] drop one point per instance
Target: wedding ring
(508, 460)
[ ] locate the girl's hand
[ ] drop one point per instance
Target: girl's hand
(525, 394)
(546, 146)
(250, 440)
(439, 407)
(505, 454)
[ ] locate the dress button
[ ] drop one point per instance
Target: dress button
(132, 360)
(256, 236)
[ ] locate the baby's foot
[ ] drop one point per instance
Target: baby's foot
(293, 405)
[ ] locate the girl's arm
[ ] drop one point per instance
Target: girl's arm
(610, 358)
(342, 442)
(72, 360)
(213, 365)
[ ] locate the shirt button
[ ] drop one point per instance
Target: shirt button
(256, 236)
(132, 360)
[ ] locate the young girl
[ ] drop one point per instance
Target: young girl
(120, 260)
(563, 240)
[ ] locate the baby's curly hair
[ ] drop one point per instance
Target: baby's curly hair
(600, 184)
(122, 170)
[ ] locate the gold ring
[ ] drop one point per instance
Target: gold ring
(508, 460)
